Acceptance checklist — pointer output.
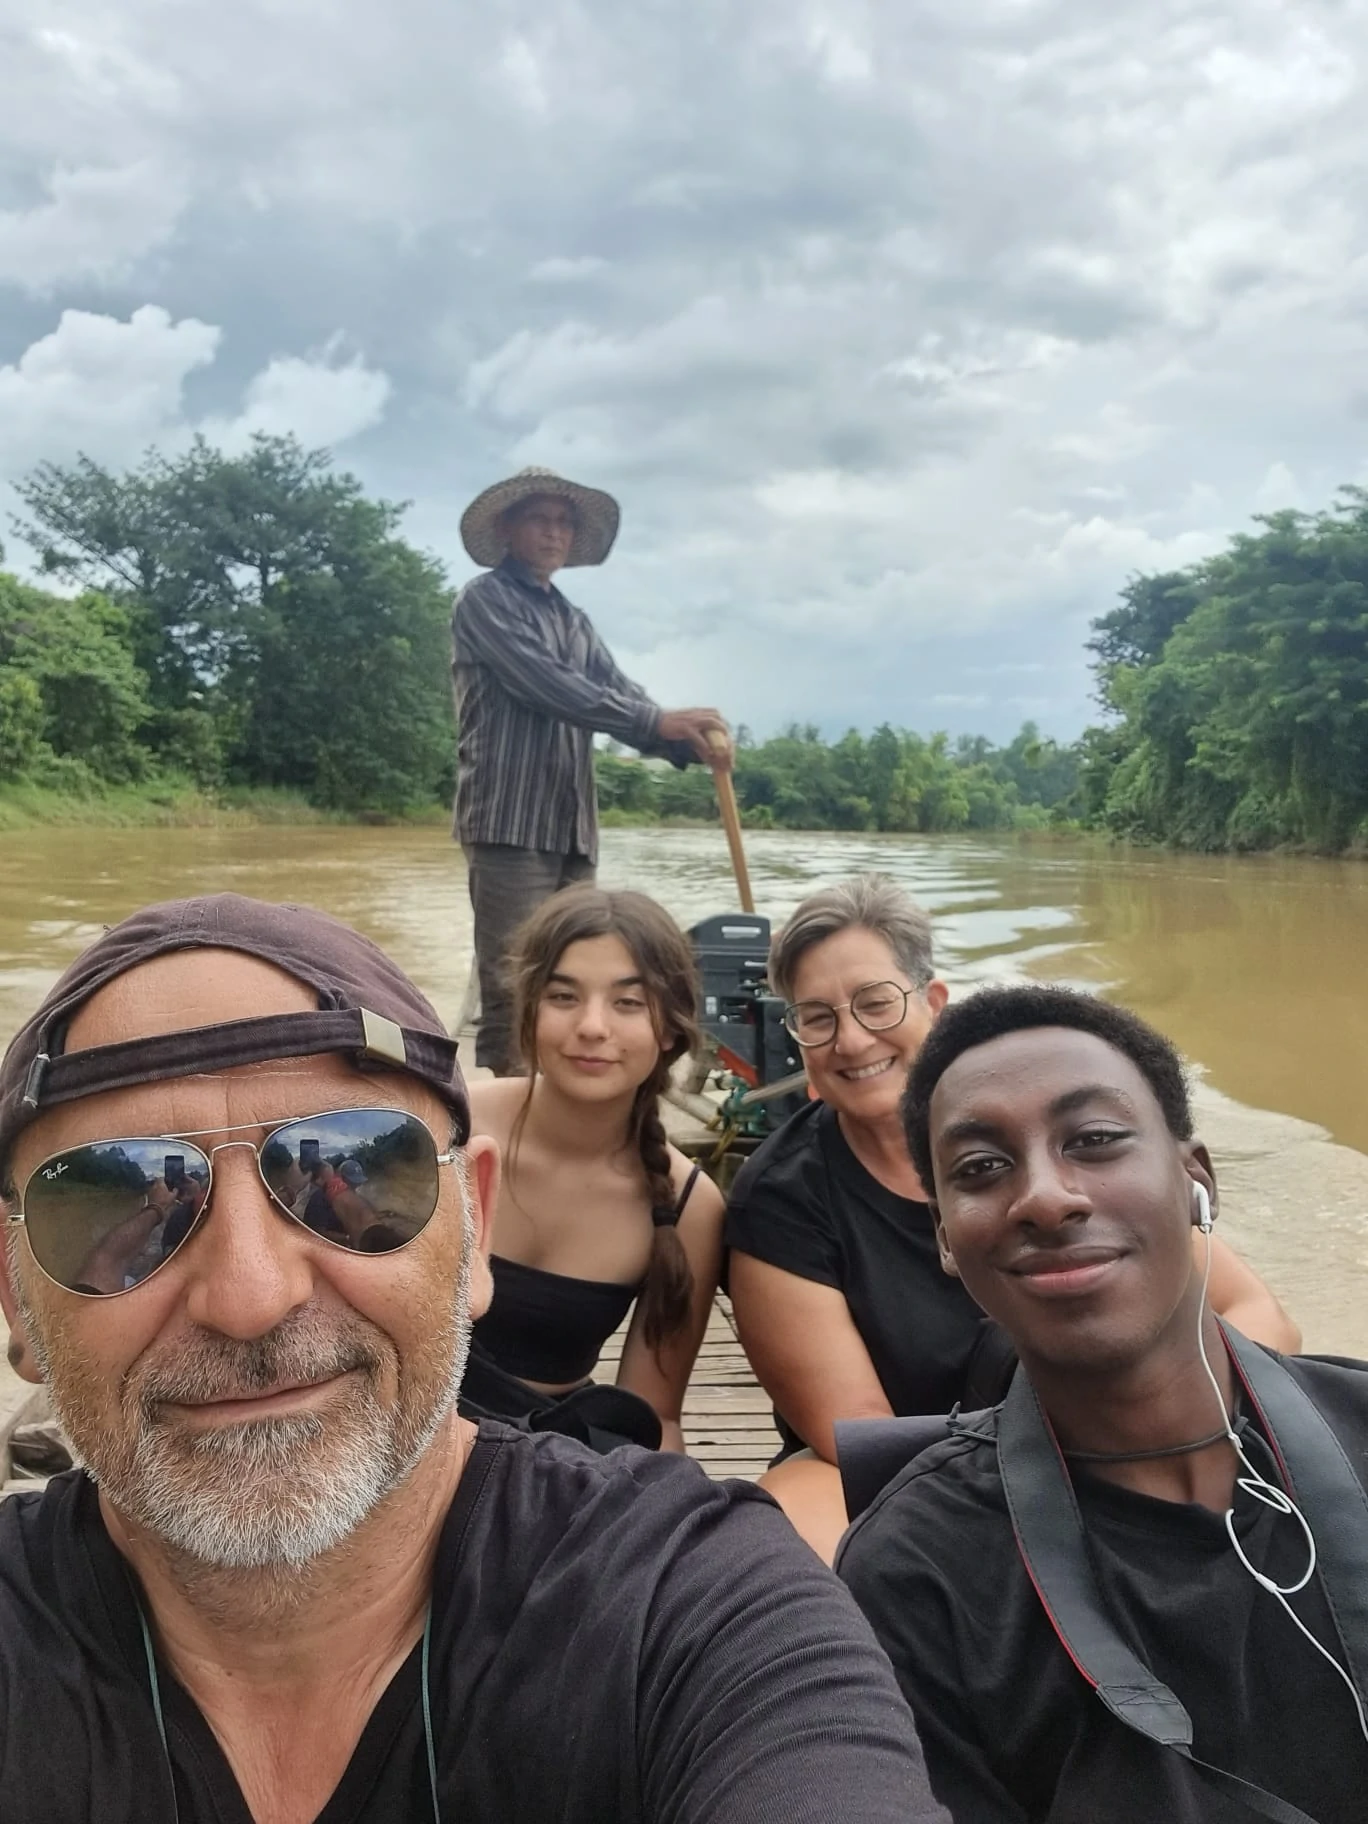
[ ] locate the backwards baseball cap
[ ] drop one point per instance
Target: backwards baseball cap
(367, 1009)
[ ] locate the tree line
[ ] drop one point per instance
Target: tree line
(890, 780)
(256, 621)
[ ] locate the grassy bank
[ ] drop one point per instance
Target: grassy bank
(173, 805)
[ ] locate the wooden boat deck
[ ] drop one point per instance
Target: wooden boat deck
(728, 1422)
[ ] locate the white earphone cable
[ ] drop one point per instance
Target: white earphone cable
(1259, 1488)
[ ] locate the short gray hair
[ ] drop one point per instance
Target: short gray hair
(870, 902)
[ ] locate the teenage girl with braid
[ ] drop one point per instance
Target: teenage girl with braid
(597, 1214)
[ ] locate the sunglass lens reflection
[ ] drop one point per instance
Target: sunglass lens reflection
(102, 1218)
(365, 1179)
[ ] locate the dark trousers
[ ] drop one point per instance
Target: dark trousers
(506, 885)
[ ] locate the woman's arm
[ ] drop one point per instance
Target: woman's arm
(1237, 1294)
(805, 1350)
(662, 1379)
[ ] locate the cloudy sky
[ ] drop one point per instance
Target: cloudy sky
(904, 329)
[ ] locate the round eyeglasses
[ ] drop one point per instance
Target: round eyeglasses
(877, 1007)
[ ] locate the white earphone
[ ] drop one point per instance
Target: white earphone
(1204, 1215)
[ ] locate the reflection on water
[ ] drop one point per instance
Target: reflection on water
(1256, 967)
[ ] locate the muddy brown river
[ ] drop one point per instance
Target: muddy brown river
(1256, 967)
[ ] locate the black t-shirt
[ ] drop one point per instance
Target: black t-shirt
(804, 1202)
(1012, 1733)
(614, 1638)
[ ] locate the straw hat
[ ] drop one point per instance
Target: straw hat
(596, 513)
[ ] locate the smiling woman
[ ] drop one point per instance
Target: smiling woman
(597, 1212)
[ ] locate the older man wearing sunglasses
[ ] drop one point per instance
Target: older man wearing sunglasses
(291, 1582)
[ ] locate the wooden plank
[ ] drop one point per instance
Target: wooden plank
(728, 1436)
(709, 1402)
(747, 1466)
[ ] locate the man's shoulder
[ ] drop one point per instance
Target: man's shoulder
(546, 1525)
(506, 586)
(488, 588)
(949, 1501)
(45, 1539)
(946, 1505)
(1337, 1386)
(29, 1516)
(1328, 1376)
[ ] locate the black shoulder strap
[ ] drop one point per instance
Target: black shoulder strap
(1050, 1539)
(1049, 1536)
(687, 1192)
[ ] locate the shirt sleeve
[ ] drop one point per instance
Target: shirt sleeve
(763, 1696)
(489, 630)
(780, 1210)
(605, 668)
(905, 1598)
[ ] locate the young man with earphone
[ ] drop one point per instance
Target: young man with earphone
(1138, 1589)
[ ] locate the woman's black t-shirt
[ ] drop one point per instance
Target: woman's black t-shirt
(804, 1202)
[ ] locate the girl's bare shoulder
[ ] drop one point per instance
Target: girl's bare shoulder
(494, 1104)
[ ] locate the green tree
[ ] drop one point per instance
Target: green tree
(1246, 722)
(71, 687)
(286, 635)
(625, 785)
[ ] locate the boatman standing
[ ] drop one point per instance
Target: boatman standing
(533, 684)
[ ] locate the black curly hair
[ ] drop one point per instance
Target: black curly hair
(994, 1012)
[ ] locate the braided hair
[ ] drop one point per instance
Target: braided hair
(665, 959)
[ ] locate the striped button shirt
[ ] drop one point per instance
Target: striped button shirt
(533, 683)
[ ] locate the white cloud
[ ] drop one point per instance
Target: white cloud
(1279, 488)
(523, 76)
(320, 401)
(94, 224)
(564, 271)
(110, 390)
(97, 385)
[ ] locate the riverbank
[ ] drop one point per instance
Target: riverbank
(171, 805)
(177, 805)
(1294, 1203)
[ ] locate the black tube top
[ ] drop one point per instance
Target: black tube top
(546, 1326)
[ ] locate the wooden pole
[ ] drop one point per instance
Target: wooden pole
(731, 820)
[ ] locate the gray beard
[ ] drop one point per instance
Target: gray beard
(275, 1492)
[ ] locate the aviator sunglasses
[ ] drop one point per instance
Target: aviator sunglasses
(104, 1217)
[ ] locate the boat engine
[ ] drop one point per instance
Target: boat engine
(751, 1056)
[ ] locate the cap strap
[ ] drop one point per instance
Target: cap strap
(372, 1038)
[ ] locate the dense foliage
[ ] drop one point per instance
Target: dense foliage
(891, 781)
(1239, 689)
(248, 620)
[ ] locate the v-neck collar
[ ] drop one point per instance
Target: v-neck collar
(114, 1586)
